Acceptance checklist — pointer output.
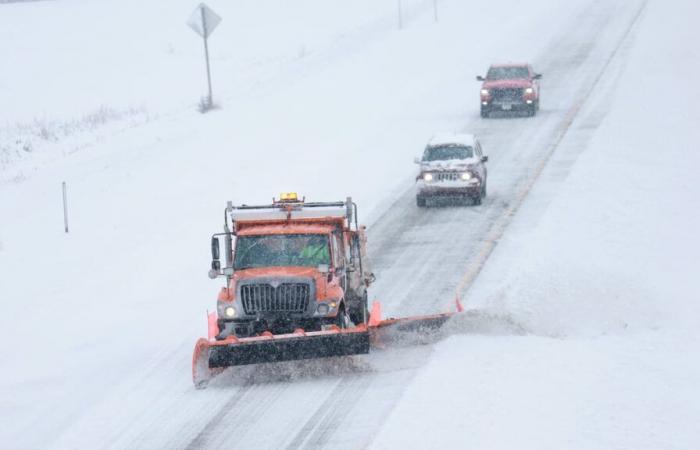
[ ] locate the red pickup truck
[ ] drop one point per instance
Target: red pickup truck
(510, 87)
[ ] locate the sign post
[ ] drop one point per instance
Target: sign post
(203, 21)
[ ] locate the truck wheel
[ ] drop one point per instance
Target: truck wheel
(420, 201)
(358, 313)
(484, 112)
(532, 110)
(342, 320)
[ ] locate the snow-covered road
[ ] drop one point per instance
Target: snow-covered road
(129, 386)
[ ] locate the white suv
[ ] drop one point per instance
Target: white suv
(452, 166)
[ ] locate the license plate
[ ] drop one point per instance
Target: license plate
(506, 106)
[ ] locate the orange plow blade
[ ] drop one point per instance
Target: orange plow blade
(211, 355)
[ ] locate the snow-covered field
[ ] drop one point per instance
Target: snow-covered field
(595, 271)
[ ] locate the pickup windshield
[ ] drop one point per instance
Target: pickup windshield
(307, 250)
(447, 152)
(507, 73)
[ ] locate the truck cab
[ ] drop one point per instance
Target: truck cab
(291, 265)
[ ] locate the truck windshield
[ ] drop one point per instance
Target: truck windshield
(507, 73)
(281, 250)
(446, 152)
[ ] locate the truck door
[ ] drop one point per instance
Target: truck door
(338, 258)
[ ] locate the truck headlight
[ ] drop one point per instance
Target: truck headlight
(484, 92)
(466, 176)
(529, 90)
(322, 309)
(229, 312)
(428, 177)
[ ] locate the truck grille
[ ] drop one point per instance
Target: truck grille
(263, 297)
(507, 94)
(446, 176)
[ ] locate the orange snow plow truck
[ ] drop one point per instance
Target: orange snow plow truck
(296, 287)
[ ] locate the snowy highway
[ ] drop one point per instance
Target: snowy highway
(115, 370)
(422, 258)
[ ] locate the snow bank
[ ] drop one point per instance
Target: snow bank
(600, 269)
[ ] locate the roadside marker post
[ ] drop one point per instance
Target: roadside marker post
(65, 206)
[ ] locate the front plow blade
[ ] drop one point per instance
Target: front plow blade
(212, 356)
(288, 347)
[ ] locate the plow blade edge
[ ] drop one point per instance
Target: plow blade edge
(290, 347)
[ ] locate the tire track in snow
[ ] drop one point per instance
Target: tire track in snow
(321, 426)
(202, 437)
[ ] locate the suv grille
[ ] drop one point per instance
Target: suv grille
(446, 176)
(263, 297)
(507, 94)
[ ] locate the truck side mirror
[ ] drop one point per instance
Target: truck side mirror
(480, 78)
(537, 76)
(215, 263)
(484, 158)
(215, 249)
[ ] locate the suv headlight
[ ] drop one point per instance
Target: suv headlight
(427, 177)
(529, 90)
(466, 176)
(484, 92)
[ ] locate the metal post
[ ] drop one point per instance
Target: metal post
(206, 55)
(435, 10)
(65, 207)
(400, 16)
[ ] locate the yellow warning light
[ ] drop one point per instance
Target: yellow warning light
(289, 197)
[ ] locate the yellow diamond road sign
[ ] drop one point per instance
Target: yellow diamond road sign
(203, 20)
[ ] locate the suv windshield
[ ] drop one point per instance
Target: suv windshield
(446, 152)
(507, 73)
(281, 250)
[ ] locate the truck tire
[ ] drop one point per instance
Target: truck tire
(484, 113)
(532, 110)
(420, 202)
(360, 311)
(342, 320)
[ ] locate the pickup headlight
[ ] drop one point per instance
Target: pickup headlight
(484, 92)
(529, 90)
(466, 176)
(427, 177)
(229, 312)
